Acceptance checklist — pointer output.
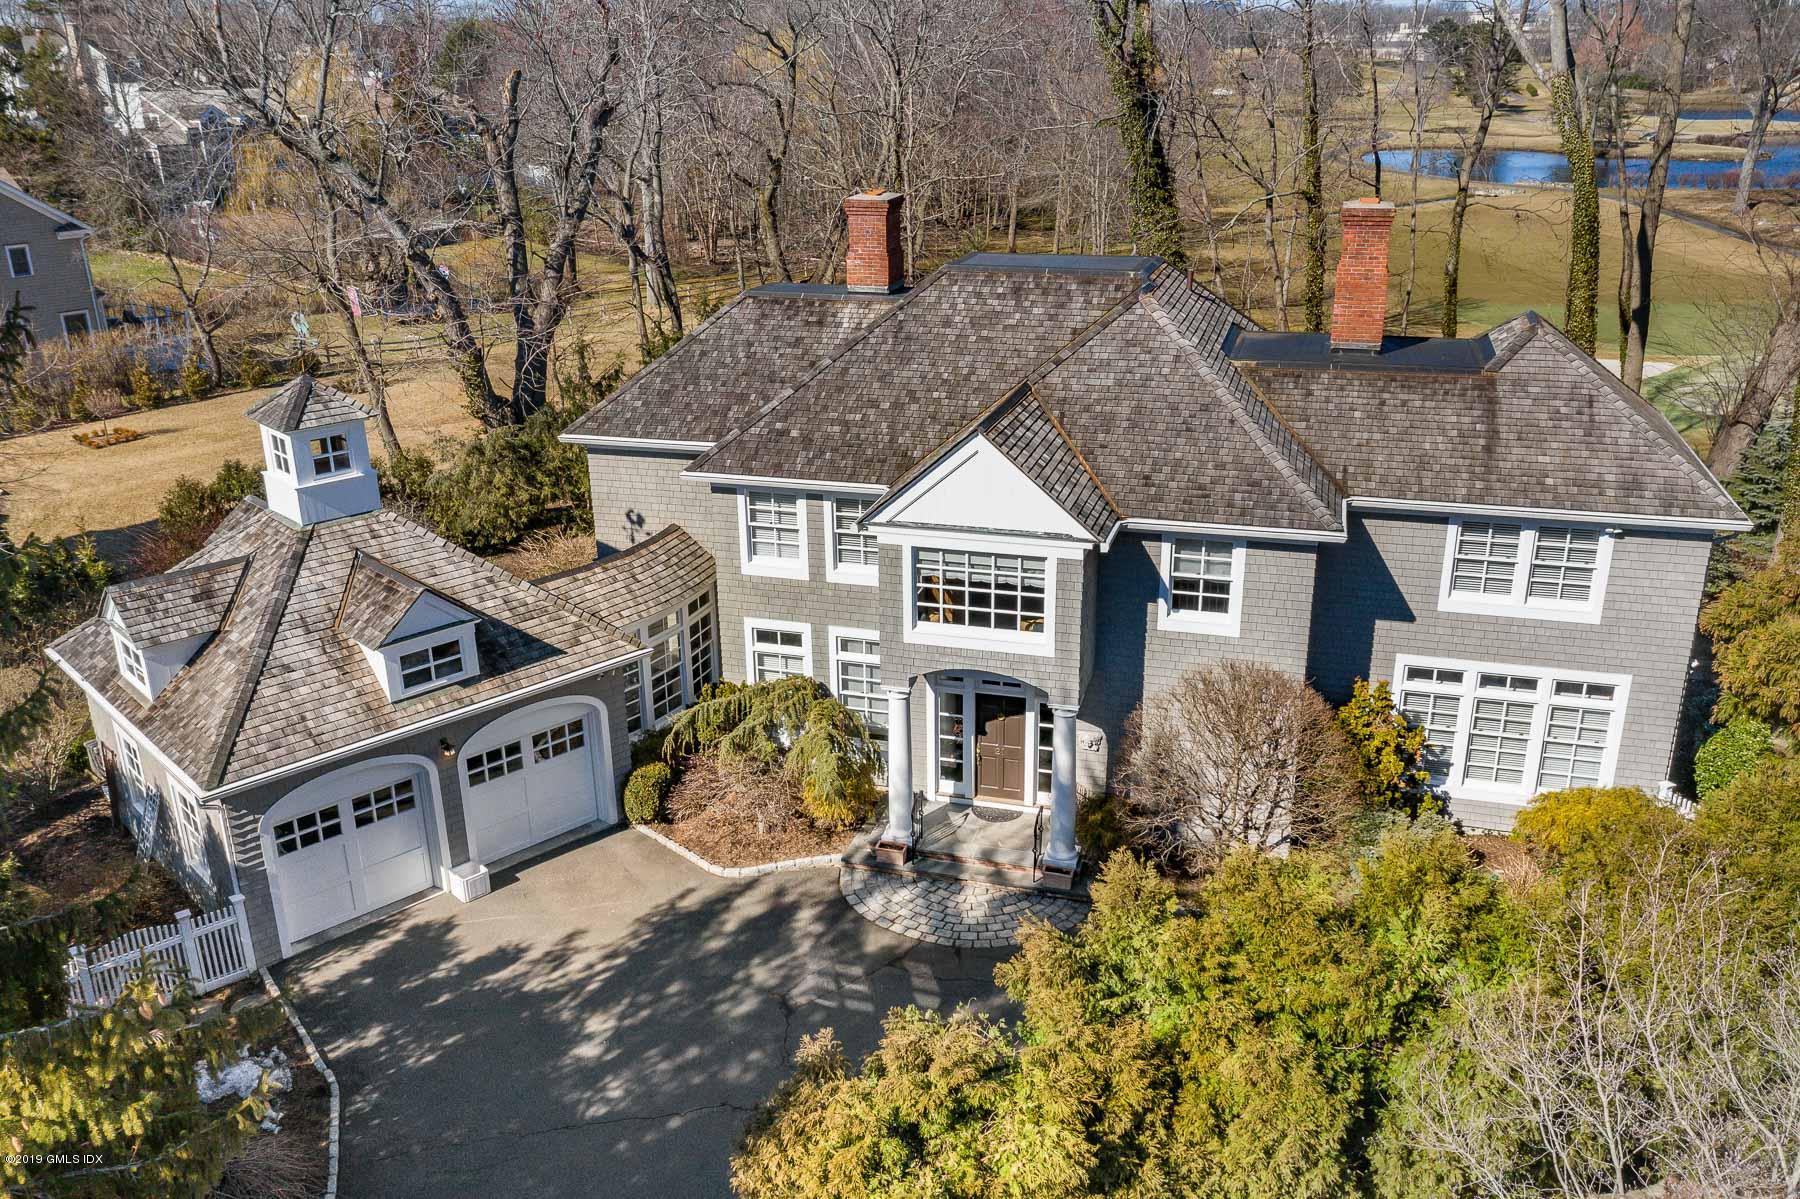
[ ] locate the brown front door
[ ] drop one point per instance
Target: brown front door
(1000, 747)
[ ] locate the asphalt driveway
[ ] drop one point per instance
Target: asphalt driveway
(601, 1025)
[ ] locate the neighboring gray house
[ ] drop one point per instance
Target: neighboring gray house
(995, 510)
(330, 710)
(46, 266)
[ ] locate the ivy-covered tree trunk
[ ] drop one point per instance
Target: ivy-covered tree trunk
(1133, 70)
(1312, 187)
(1787, 532)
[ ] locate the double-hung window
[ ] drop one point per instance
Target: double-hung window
(1526, 568)
(855, 555)
(1202, 585)
(777, 649)
(18, 260)
(190, 828)
(967, 589)
(856, 671)
(1509, 732)
(774, 537)
(330, 455)
(434, 664)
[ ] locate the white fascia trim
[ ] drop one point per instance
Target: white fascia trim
(909, 537)
(257, 780)
(1231, 532)
(1552, 515)
(633, 443)
(74, 235)
(765, 483)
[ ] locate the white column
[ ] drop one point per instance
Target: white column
(899, 829)
(1061, 853)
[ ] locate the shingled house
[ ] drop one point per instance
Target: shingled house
(331, 711)
(997, 508)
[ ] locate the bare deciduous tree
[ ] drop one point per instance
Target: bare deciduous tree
(1235, 754)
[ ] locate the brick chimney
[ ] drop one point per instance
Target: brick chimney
(1359, 309)
(875, 261)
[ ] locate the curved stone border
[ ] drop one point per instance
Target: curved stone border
(318, 1061)
(824, 859)
(963, 915)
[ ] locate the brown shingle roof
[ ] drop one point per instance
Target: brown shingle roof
(305, 403)
(177, 605)
(280, 684)
(651, 577)
(377, 598)
(1032, 441)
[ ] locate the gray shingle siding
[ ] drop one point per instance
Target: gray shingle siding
(1378, 597)
(59, 281)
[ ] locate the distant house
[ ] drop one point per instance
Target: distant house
(46, 266)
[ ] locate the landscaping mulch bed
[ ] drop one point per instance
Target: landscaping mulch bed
(289, 1163)
(70, 850)
(1505, 858)
(739, 818)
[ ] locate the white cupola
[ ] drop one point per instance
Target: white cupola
(316, 453)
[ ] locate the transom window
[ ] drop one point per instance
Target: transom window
(1499, 731)
(555, 742)
(774, 526)
(384, 803)
(496, 763)
(700, 640)
(433, 664)
(278, 454)
(1556, 572)
(776, 653)
(131, 661)
(980, 590)
(18, 261)
(859, 683)
(853, 548)
(330, 455)
(308, 829)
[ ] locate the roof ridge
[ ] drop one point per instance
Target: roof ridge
(1258, 435)
(1633, 406)
(1532, 324)
(783, 396)
(1063, 432)
(686, 342)
(175, 572)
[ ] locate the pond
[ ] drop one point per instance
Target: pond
(1732, 114)
(1781, 168)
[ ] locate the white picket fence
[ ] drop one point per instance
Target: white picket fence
(208, 952)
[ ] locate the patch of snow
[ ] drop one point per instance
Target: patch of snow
(241, 1077)
(1651, 369)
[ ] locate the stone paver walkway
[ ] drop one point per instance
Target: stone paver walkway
(945, 912)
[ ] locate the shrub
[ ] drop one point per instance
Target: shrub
(1755, 628)
(1729, 752)
(645, 791)
(836, 763)
(146, 389)
(1390, 751)
(1594, 832)
(648, 748)
(1100, 826)
(254, 370)
(191, 510)
(195, 382)
(1754, 823)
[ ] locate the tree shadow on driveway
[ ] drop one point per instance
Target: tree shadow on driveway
(602, 1024)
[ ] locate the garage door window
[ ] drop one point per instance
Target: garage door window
(496, 763)
(383, 802)
(307, 829)
(553, 743)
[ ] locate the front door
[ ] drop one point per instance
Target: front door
(1000, 747)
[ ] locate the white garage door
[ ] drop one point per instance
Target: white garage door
(341, 851)
(528, 777)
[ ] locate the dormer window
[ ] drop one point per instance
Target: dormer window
(330, 455)
(440, 663)
(131, 662)
(278, 454)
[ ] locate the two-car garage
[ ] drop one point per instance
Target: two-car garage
(353, 841)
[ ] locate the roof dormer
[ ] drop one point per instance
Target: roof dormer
(414, 639)
(316, 453)
(159, 623)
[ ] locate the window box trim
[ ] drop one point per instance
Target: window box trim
(1006, 641)
(1517, 604)
(1217, 624)
(775, 568)
(1542, 699)
(855, 576)
(753, 623)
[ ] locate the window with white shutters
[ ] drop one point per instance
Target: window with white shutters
(1562, 564)
(1526, 568)
(1487, 558)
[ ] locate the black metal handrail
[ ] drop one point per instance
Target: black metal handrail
(1037, 841)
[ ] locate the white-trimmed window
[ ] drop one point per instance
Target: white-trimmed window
(856, 676)
(1202, 585)
(133, 761)
(131, 662)
(330, 455)
(634, 697)
(18, 260)
(1529, 568)
(663, 667)
(558, 740)
(76, 324)
(776, 648)
(701, 654)
(434, 664)
(855, 557)
(774, 533)
(1509, 732)
(951, 752)
(976, 590)
(190, 829)
(384, 803)
(278, 454)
